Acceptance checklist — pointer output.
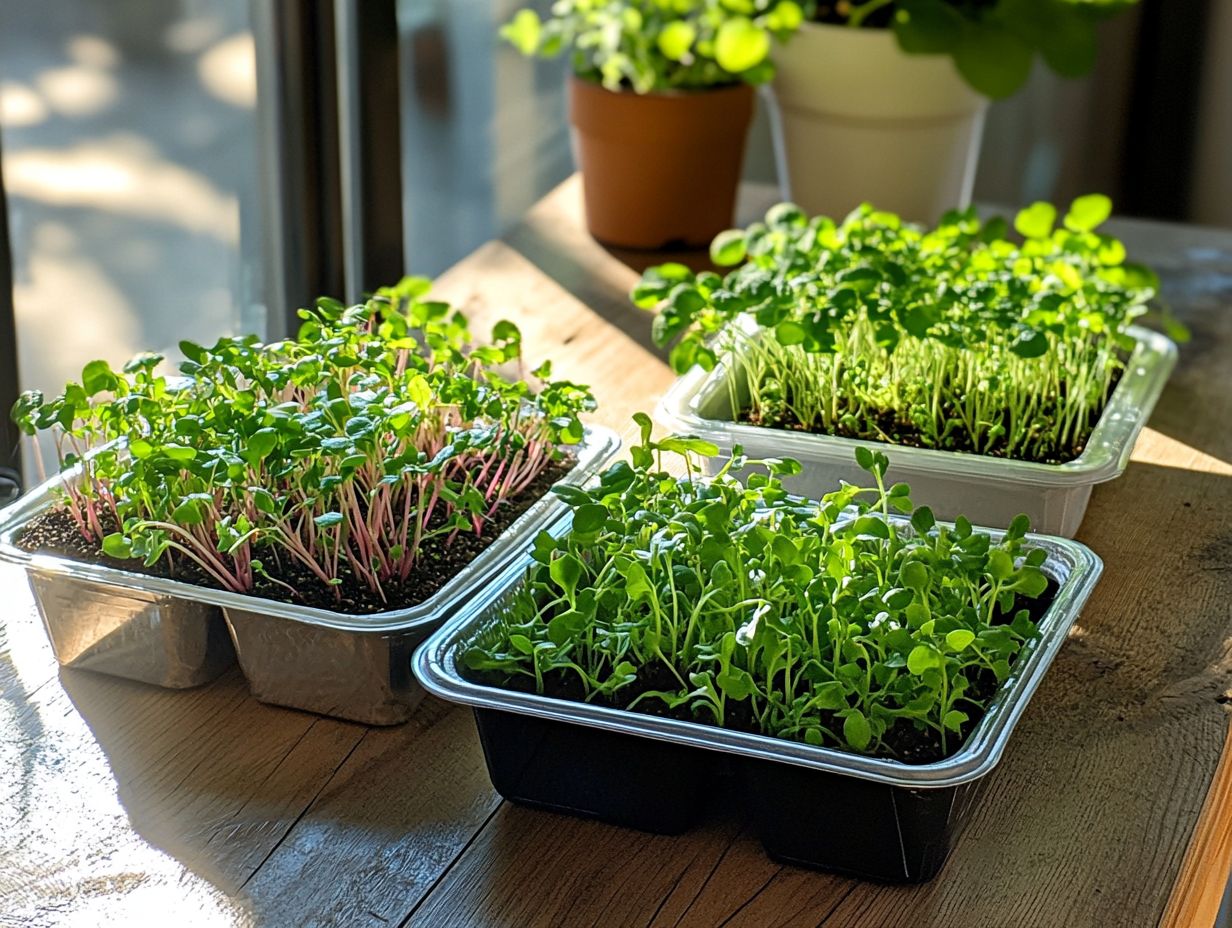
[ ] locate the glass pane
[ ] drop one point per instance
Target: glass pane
(129, 150)
(484, 130)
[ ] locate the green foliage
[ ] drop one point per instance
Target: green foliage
(658, 45)
(993, 42)
(957, 337)
(833, 622)
(380, 427)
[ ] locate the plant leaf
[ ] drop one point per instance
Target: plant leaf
(740, 45)
(856, 730)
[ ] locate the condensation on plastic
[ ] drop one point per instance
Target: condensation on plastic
(175, 634)
(987, 490)
(1073, 566)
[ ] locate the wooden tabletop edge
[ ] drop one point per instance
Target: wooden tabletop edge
(1203, 878)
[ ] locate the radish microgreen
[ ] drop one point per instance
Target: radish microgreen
(345, 450)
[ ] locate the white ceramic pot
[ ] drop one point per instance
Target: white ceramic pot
(860, 120)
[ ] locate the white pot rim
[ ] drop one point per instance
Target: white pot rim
(863, 74)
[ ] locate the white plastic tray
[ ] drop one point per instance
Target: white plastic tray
(987, 490)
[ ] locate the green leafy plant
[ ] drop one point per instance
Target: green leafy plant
(955, 338)
(993, 42)
(730, 602)
(657, 45)
(380, 428)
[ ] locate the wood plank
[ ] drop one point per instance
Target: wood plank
(388, 824)
(533, 868)
(26, 660)
(199, 772)
(747, 890)
(587, 343)
(118, 790)
(1202, 884)
(539, 870)
(70, 852)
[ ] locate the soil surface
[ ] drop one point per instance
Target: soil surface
(904, 742)
(55, 532)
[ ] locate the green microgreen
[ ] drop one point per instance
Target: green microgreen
(658, 45)
(956, 338)
(379, 428)
(856, 621)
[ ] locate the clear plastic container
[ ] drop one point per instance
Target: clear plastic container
(987, 490)
(820, 807)
(176, 634)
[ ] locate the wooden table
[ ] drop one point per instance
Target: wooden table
(126, 804)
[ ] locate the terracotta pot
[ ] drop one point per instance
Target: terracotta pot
(659, 170)
(858, 119)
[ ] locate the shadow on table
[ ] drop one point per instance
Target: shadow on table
(306, 820)
(1196, 405)
(22, 732)
(195, 769)
(1161, 617)
(512, 872)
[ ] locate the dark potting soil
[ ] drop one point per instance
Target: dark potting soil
(55, 532)
(899, 434)
(904, 741)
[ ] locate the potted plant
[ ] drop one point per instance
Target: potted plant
(861, 669)
(331, 496)
(660, 99)
(884, 100)
(1003, 376)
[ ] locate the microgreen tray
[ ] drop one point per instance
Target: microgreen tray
(175, 634)
(988, 490)
(818, 807)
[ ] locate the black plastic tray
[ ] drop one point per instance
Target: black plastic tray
(870, 830)
(814, 806)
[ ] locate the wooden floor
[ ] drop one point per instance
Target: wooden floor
(128, 805)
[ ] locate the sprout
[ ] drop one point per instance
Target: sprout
(379, 429)
(954, 338)
(868, 632)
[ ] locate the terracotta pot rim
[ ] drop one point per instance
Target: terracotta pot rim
(674, 93)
